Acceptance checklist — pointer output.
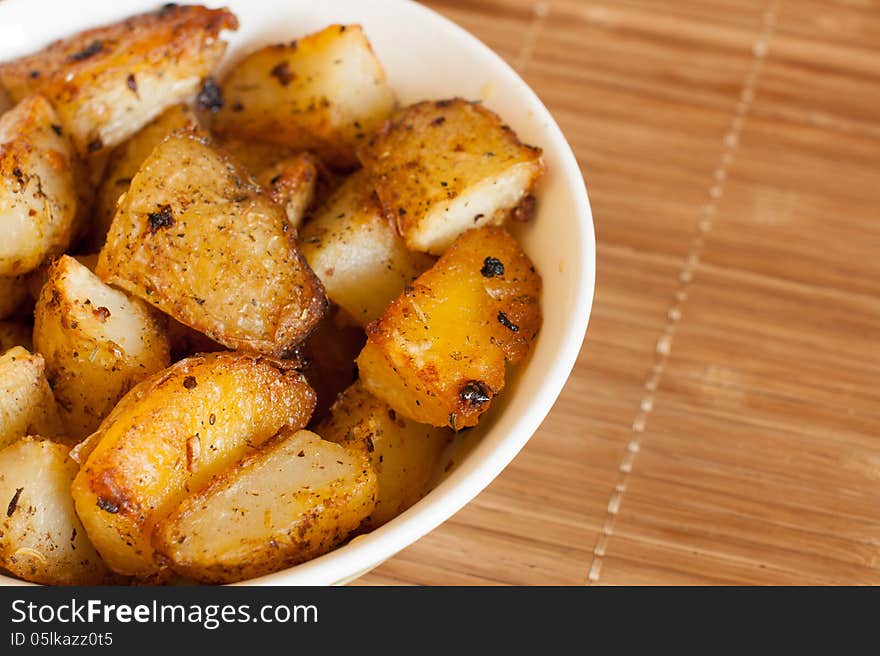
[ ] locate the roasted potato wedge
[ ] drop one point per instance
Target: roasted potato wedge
(440, 168)
(108, 82)
(297, 498)
(437, 355)
(38, 196)
(41, 538)
(356, 252)
(98, 343)
(291, 184)
(324, 92)
(27, 406)
(328, 358)
(124, 162)
(15, 333)
(404, 454)
(196, 237)
(169, 436)
(38, 277)
(256, 156)
(13, 292)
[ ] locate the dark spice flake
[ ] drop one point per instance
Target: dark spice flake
(161, 219)
(190, 382)
(57, 129)
(95, 145)
(507, 323)
(132, 84)
(281, 72)
(492, 267)
(13, 504)
(474, 393)
(107, 505)
(89, 51)
(210, 98)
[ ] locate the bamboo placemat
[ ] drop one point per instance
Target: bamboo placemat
(722, 425)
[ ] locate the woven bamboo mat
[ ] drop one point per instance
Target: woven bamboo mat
(722, 425)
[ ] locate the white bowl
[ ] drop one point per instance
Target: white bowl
(426, 57)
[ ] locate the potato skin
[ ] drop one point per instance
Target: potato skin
(404, 454)
(431, 161)
(38, 196)
(196, 237)
(98, 343)
(324, 92)
(437, 355)
(27, 406)
(41, 538)
(357, 253)
(295, 499)
(123, 163)
(108, 82)
(171, 435)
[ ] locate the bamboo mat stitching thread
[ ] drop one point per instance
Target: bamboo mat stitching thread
(664, 343)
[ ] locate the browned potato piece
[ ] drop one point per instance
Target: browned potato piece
(124, 163)
(404, 454)
(38, 277)
(13, 291)
(438, 353)
(256, 156)
(27, 406)
(291, 184)
(199, 239)
(444, 167)
(170, 436)
(328, 358)
(294, 500)
(14, 333)
(98, 343)
(324, 92)
(38, 198)
(107, 83)
(41, 538)
(356, 252)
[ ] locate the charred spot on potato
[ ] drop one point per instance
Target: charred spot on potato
(281, 72)
(89, 51)
(34, 74)
(13, 504)
(167, 8)
(507, 323)
(492, 267)
(474, 393)
(57, 129)
(210, 98)
(131, 83)
(107, 505)
(95, 145)
(440, 120)
(161, 219)
(101, 313)
(190, 382)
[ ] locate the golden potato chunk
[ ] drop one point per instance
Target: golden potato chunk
(27, 406)
(404, 454)
(324, 92)
(169, 436)
(38, 197)
(41, 538)
(296, 499)
(437, 354)
(13, 292)
(440, 168)
(14, 333)
(357, 253)
(124, 162)
(98, 343)
(196, 237)
(108, 82)
(38, 277)
(291, 184)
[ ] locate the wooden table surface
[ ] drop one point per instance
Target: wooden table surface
(722, 424)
